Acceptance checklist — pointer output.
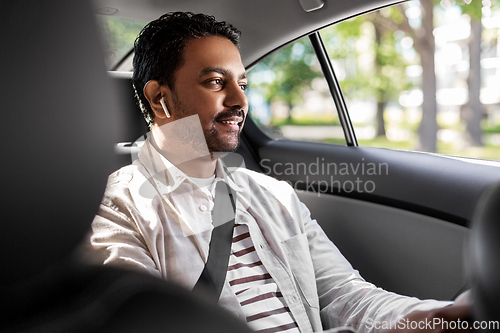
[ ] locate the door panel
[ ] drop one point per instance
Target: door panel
(432, 185)
(400, 251)
(399, 217)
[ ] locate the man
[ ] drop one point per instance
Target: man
(283, 272)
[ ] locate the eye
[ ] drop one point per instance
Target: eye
(244, 86)
(217, 82)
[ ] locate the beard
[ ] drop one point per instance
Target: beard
(215, 139)
(222, 145)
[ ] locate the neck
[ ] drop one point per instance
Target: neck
(190, 157)
(202, 167)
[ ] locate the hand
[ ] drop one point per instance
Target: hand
(453, 318)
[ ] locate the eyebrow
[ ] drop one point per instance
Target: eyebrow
(221, 71)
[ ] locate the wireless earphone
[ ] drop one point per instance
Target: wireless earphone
(162, 102)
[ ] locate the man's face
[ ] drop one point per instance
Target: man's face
(211, 83)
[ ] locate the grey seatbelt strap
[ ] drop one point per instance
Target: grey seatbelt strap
(214, 273)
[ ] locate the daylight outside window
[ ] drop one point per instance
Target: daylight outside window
(423, 75)
(418, 76)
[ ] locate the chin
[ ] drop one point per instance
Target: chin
(223, 145)
(223, 149)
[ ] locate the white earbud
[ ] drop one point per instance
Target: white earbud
(162, 102)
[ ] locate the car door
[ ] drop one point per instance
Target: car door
(400, 217)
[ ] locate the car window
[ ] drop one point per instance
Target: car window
(118, 36)
(396, 96)
(289, 97)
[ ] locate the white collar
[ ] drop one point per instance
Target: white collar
(169, 175)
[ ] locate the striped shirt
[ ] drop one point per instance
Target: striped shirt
(258, 294)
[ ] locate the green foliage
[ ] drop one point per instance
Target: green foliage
(367, 66)
(473, 9)
(309, 121)
(340, 39)
(367, 56)
(491, 129)
(390, 69)
(290, 73)
(351, 42)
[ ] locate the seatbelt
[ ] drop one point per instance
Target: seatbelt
(215, 270)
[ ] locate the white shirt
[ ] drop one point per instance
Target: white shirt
(140, 224)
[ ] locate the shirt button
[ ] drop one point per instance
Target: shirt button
(293, 299)
(203, 208)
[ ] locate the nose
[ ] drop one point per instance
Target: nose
(235, 97)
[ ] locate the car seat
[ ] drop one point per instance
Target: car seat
(484, 258)
(58, 115)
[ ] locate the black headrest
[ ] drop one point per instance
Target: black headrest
(56, 135)
(484, 256)
(130, 119)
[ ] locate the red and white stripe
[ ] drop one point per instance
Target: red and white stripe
(258, 294)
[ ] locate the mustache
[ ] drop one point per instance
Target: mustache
(235, 112)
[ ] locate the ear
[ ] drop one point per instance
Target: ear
(153, 93)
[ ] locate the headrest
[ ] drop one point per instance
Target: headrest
(56, 135)
(484, 256)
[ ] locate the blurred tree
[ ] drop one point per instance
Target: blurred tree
(384, 78)
(424, 44)
(349, 43)
(472, 111)
(390, 75)
(292, 74)
(425, 47)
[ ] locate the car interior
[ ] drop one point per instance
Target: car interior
(482, 254)
(58, 144)
(428, 229)
(413, 224)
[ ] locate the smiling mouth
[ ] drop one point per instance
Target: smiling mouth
(234, 120)
(231, 125)
(230, 122)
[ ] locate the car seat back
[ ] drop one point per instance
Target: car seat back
(484, 257)
(57, 132)
(57, 118)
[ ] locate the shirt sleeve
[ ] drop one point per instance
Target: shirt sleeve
(122, 236)
(116, 240)
(346, 299)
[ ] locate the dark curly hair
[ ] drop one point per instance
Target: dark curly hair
(159, 47)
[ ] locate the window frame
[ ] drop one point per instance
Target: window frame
(335, 88)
